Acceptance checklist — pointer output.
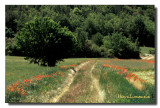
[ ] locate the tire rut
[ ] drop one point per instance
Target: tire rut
(95, 84)
(67, 83)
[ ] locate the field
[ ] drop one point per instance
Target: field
(19, 74)
(81, 80)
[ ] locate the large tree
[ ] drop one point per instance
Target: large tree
(45, 42)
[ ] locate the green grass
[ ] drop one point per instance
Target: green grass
(131, 64)
(119, 86)
(19, 69)
(145, 50)
(115, 84)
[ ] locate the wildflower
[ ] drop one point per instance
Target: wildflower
(26, 80)
(23, 93)
(17, 89)
(150, 61)
(140, 80)
(38, 77)
(127, 76)
(11, 89)
(62, 66)
(17, 82)
(144, 81)
(14, 85)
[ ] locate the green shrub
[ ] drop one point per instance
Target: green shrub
(104, 52)
(45, 42)
(152, 51)
(11, 47)
(121, 46)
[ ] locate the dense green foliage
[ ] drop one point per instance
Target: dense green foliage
(45, 42)
(90, 24)
(121, 47)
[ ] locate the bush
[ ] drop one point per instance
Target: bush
(11, 47)
(121, 46)
(45, 42)
(152, 51)
(104, 52)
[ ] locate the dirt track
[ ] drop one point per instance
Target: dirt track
(67, 83)
(81, 87)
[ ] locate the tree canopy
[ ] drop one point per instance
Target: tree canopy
(45, 42)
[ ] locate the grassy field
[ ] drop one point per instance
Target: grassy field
(19, 74)
(19, 69)
(122, 84)
(101, 80)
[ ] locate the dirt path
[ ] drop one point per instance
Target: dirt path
(85, 87)
(95, 86)
(150, 57)
(67, 83)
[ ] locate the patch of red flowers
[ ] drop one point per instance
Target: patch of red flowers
(68, 66)
(19, 86)
(27, 80)
(150, 61)
(124, 71)
(133, 76)
(39, 77)
(116, 67)
(58, 74)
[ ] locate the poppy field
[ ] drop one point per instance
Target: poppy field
(128, 81)
(98, 80)
(29, 82)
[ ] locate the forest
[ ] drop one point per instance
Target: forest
(52, 32)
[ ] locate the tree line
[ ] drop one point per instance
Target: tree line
(61, 31)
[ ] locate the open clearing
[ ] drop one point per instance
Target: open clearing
(81, 80)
